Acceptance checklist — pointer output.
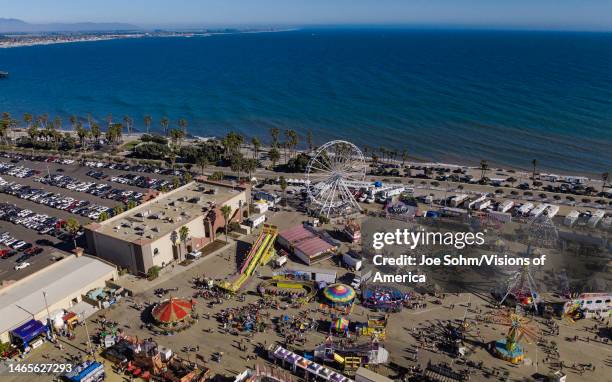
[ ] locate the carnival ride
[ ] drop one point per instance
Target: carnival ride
(306, 290)
(351, 357)
(521, 286)
(260, 254)
(383, 298)
(329, 174)
(520, 327)
(586, 305)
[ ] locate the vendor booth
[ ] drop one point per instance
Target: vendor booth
(29, 335)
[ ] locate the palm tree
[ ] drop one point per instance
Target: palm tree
(404, 157)
(95, 131)
(128, 122)
(103, 216)
(226, 211)
(183, 235)
(202, 162)
(147, 121)
(164, 123)
(118, 209)
(534, 163)
(73, 227)
(274, 155)
(604, 178)
(484, 166)
(73, 120)
(256, 145)
(283, 186)
(183, 125)
(274, 133)
(27, 118)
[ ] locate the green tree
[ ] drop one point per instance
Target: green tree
(118, 209)
(164, 123)
(95, 131)
(131, 204)
(153, 272)
(147, 121)
(183, 235)
(202, 162)
(484, 166)
(534, 164)
(237, 164)
(73, 227)
(283, 185)
(183, 125)
(604, 178)
(103, 216)
(27, 118)
(256, 146)
(226, 211)
(274, 134)
(274, 155)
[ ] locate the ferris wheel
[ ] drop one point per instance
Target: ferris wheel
(335, 167)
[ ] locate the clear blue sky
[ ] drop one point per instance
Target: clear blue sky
(541, 14)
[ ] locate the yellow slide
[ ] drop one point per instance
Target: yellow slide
(261, 252)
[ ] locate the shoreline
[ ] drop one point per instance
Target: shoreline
(69, 39)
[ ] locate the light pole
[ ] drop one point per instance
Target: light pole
(87, 333)
(49, 323)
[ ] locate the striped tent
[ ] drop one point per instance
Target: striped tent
(172, 310)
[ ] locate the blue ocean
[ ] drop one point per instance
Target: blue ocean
(451, 96)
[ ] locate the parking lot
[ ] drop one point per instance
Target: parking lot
(38, 195)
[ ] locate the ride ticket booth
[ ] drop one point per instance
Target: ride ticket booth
(29, 335)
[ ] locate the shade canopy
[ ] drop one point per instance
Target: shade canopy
(172, 310)
(339, 293)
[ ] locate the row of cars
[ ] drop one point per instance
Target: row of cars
(54, 200)
(14, 247)
(43, 224)
(135, 168)
(133, 180)
(17, 171)
(101, 190)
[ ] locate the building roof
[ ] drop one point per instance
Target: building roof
(23, 299)
(167, 212)
(306, 241)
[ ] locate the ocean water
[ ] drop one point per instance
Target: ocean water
(453, 96)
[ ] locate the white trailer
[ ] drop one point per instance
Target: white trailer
(505, 206)
(552, 211)
(539, 210)
(458, 199)
(576, 179)
(524, 209)
(571, 218)
(596, 218)
(482, 204)
(256, 220)
(473, 203)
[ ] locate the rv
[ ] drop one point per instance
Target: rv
(457, 200)
(571, 218)
(595, 304)
(552, 211)
(596, 218)
(524, 209)
(256, 220)
(539, 210)
(474, 202)
(576, 179)
(505, 206)
(482, 204)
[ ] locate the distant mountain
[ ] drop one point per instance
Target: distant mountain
(20, 26)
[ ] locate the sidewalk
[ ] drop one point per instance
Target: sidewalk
(138, 285)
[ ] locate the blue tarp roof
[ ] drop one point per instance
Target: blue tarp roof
(29, 330)
(81, 375)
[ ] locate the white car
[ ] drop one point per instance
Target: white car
(22, 266)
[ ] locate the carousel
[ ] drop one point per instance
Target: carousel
(173, 314)
(339, 295)
(383, 298)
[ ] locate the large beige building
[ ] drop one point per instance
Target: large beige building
(60, 285)
(150, 234)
